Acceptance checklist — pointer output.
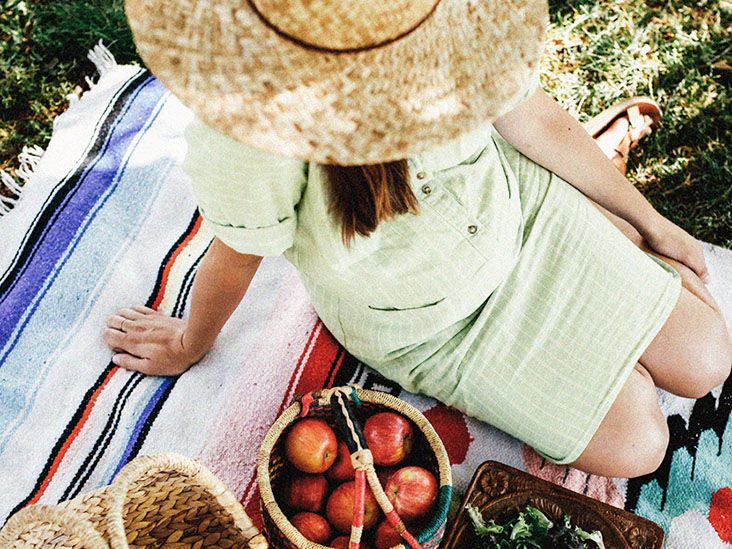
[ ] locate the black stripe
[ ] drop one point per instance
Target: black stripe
(106, 435)
(151, 419)
(87, 152)
(65, 192)
(169, 389)
(97, 450)
(707, 414)
(159, 279)
(80, 409)
(187, 284)
(66, 433)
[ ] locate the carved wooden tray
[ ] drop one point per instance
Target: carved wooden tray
(500, 492)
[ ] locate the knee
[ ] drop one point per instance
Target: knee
(631, 453)
(645, 440)
(648, 447)
(634, 440)
(714, 361)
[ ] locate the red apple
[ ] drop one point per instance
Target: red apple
(386, 536)
(312, 526)
(389, 437)
(306, 492)
(339, 508)
(342, 469)
(412, 491)
(342, 542)
(311, 445)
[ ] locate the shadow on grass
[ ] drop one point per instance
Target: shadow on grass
(692, 187)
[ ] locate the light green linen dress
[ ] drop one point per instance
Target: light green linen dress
(509, 296)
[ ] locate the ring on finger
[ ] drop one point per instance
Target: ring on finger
(122, 325)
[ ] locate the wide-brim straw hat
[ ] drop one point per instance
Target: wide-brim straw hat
(342, 81)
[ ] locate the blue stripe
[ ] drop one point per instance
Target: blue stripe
(108, 229)
(141, 423)
(65, 227)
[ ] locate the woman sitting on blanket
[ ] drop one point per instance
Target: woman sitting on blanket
(455, 228)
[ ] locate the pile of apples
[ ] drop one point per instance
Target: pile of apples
(317, 494)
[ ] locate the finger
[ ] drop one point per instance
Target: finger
(130, 313)
(700, 265)
(700, 269)
(114, 338)
(117, 322)
(142, 309)
(706, 278)
(131, 362)
(121, 340)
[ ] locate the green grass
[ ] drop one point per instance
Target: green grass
(43, 46)
(598, 51)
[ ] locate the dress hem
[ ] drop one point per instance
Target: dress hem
(663, 310)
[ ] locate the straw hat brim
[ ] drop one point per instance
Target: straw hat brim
(464, 66)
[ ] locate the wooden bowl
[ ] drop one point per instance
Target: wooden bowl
(500, 492)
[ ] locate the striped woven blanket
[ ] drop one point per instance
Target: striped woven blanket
(107, 220)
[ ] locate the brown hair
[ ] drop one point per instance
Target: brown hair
(360, 197)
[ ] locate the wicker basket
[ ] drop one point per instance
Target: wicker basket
(330, 405)
(162, 500)
(49, 526)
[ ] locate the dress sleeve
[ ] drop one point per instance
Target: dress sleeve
(248, 197)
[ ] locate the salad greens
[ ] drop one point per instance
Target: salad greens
(531, 529)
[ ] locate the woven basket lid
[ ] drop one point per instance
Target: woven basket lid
(342, 81)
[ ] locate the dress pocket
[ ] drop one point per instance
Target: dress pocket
(406, 307)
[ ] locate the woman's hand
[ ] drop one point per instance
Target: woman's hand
(670, 240)
(152, 343)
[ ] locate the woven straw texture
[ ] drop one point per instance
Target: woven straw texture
(163, 500)
(48, 526)
(343, 82)
(271, 466)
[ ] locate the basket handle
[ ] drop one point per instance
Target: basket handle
(361, 459)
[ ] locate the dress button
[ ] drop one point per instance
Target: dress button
(421, 175)
(426, 189)
(472, 229)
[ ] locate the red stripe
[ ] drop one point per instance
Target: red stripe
(285, 401)
(398, 525)
(67, 443)
(314, 376)
(252, 507)
(359, 497)
(315, 373)
(169, 265)
(92, 401)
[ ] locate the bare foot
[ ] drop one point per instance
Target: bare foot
(150, 342)
(620, 137)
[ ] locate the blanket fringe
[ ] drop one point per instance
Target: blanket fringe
(29, 158)
(103, 60)
(10, 188)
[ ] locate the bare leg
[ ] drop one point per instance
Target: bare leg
(691, 354)
(633, 436)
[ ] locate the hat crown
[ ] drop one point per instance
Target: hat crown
(343, 25)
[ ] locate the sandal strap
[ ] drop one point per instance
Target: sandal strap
(635, 118)
(621, 154)
(624, 154)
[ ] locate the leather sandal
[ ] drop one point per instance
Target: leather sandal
(634, 108)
